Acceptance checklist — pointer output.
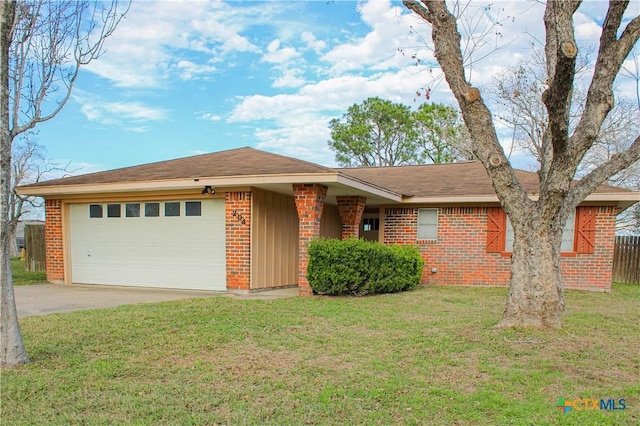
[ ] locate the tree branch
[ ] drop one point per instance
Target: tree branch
(611, 55)
(600, 174)
(476, 115)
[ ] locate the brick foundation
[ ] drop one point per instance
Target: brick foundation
(351, 209)
(237, 208)
(461, 258)
(309, 204)
(53, 241)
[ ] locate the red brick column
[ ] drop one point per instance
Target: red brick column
(351, 209)
(237, 208)
(53, 241)
(309, 203)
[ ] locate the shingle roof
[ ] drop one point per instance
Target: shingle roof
(452, 179)
(432, 180)
(235, 162)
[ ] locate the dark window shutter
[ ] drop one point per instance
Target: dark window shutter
(585, 237)
(496, 229)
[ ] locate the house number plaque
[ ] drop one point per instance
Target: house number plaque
(239, 217)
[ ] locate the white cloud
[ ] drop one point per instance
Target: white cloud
(189, 70)
(209, 116)
(312, 42)
(278, 55)
(378, 48)
(130, 115)
(289, 78)
(154, 37)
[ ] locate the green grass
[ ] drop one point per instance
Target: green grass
(22, 277)
(429, 356)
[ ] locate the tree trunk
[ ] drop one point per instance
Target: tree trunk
(12, 351)
(535, 292)
(14, 251)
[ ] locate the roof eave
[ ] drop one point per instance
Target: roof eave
(50, 191)
(622, 199)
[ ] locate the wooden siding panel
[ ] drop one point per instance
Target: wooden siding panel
(274, 247)
(330, 223)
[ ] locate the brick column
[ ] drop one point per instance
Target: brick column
(237, 206)
(351, 209)
(309, 203)
(53, 241)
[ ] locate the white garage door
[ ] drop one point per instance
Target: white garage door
(170, 244)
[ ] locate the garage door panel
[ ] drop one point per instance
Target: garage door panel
(171, 252)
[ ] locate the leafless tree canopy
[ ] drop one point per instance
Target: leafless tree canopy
(43, 45)
(536, 295)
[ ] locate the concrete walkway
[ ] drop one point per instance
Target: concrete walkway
(43, 299)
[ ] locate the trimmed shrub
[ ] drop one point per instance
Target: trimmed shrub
(362, 267)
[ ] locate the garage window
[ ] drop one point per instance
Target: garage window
(95, 210)
(132, 210)
(193, 208)
(152, 209)
(172, 209)
(113, 210)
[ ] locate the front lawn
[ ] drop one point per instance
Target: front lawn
(429, 356)
(22, 277)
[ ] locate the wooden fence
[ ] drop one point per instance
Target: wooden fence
(626, 260)
(34, 259)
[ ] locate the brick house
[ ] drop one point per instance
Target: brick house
(240, 220)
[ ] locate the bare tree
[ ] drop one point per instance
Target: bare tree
(43, 45)
(536, 296)
(28, 165)
(517, 96)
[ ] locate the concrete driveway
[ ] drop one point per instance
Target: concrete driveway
(43, 299)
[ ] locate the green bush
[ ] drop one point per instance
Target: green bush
(362, 267)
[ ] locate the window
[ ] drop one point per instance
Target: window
(132, 210)
(578, 234)
(193, 208)
(567, 235)
(427, 224)
(152, 209)
(370, 224)
(95, 210)
(113, 210)
(172, 209)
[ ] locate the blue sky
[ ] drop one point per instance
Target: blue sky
(180, 78)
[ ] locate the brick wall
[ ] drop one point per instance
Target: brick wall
(594, 271)
(53, 241)
(309, 204)
(351, 209)
(460, 255)
(238, 240)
